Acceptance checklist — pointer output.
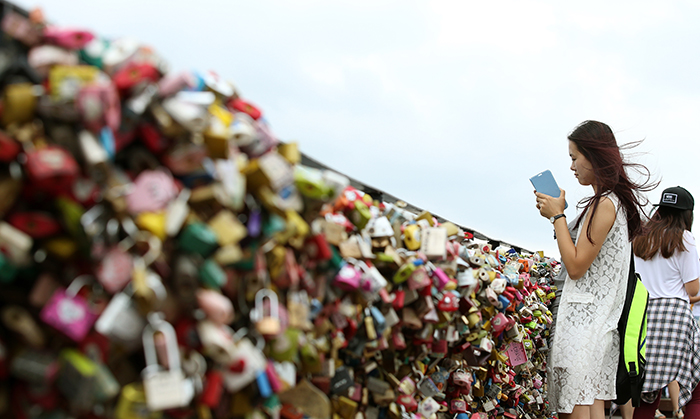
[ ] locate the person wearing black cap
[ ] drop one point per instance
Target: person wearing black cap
(666, 259)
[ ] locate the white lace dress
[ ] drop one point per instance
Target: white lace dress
(584, 355)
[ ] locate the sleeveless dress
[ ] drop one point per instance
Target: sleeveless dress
(586, 345)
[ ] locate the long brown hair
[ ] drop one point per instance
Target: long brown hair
(596, 141)
(663, 233)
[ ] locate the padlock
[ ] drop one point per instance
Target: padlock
(115, 268)
(267, 325)
(68, 312)
(419, 279)
(165, 388)
(213, 388)
(426, 386)
(428, 407)
(198, 238)
(433, 241)
(120, 321)
(212, 275)
(98, 104)
(151, 192)
(348, 278)
(21, 28)
(458, 406)
(20, 103)
(412, 237)
(215, 306)
(404, 273)
(248, 363)
(285, 346)
(77, 380)
(51, 169)
(132, 404)
(34, 366)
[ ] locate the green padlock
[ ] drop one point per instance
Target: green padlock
(404, 273)
(310, 358)
(8, 271)
(336, 261)
(274, 224)
(198, 238)
(361, 215)
(285, 346)
(310, 183)
(211, 274)
(93, 52)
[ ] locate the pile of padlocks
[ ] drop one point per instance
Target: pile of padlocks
(165, 256)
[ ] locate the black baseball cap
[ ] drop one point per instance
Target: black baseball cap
(676, 197)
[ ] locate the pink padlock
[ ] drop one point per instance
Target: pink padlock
(462, 378)
(68, 312)
(217, 307)
(98, 104)
(173, 83)
(419, 279)
(152, 191)
(492, 297)
(440, 278)
(348, 278)
(275, 382)
(67, 38)
(115, 269)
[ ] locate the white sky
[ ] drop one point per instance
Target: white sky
(449, 105)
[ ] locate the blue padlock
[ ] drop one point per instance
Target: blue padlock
(379, 320)
(263, 383)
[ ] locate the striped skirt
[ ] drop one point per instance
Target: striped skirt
(673, 348)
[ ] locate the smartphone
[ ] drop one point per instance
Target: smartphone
(544, 183)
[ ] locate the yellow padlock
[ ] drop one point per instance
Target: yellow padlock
(19, 102)
(153, 222)
(66, 81)
(218, 134)
(228, 229)
(132, 404)
(290, 152)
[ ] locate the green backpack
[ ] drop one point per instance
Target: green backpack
(633, 334)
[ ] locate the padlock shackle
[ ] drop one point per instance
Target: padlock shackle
(157, 324)
(77, 284)
(92, 215)
(259, 311)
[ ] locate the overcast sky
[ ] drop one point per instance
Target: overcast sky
(449, 105)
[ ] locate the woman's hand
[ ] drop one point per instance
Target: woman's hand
(550, 206)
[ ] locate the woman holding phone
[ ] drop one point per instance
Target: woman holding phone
(585, 348)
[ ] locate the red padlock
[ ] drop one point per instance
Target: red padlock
(9, 148)
(156, 142)
(449, 302)
(133, 74)
(51, 169)
(35, 224)
(213, 388)
(398, 341)
(317, 247)
(408, 401)
(241, 105)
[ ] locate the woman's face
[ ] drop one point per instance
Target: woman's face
(583, 170)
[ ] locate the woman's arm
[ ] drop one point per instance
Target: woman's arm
(578, 259)
(693, 287)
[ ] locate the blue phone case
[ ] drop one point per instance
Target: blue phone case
(544, 183)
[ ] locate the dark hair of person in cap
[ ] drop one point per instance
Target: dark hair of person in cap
(664, 231)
